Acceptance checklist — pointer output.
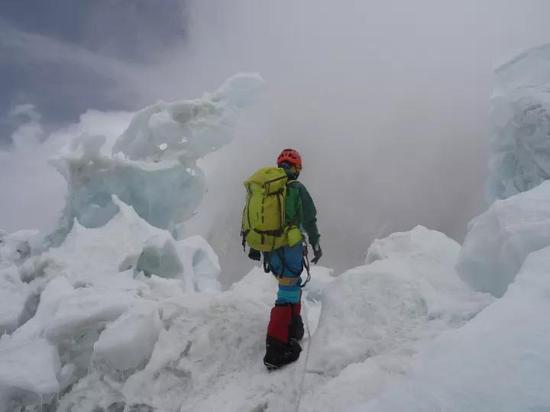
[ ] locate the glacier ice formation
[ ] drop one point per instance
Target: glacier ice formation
(499, 240)
(520, 145)
(88, 301)
(152, 165)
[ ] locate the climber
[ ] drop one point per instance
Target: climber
(278, 211)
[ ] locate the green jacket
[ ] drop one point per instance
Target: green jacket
(300, 210)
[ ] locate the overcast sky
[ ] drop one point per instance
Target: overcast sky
(387, 100)
(67, 56)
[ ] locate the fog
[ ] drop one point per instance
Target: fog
(388, 103)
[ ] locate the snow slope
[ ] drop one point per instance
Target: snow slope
(498, 361)
(208, 355)
(375, 317)
(499, 240)
(106, 336)
(96, 308)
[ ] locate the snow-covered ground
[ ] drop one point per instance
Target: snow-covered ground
(104, 335)
(119, 311)
(498, 361)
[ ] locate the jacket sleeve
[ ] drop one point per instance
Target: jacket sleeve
(309, 215)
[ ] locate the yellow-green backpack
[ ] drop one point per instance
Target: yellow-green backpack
(263, 225)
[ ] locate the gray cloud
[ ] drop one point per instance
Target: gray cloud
(61, 79)
(66, 57)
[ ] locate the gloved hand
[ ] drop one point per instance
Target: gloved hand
(317, 253)
(255, 254)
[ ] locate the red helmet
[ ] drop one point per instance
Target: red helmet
(290, 156)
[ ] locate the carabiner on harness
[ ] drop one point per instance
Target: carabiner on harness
(305, 263)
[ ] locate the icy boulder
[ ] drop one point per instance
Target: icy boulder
(419, 241)
(85, 310)
(96, 255)
(97, 302)
(408, 292)
(160, 257)
(18, 246)
(152, 166)
(189, 129)
(76, 322)
(499, 240)
(207, 351)
(164, 193)
(70, 320)
(102, 325)
(17, 299)
(54, 293)
(54, 348)
(520, 158)
(201, 264)
(499, 361)
(127, 343)
(14, 295)
(111, 256)
(191, 259)
(28, 374)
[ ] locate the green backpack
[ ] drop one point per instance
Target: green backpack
(263, 224)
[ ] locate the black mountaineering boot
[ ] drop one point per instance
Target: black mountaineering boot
(279, 354)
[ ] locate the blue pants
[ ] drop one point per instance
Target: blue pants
(287, 265)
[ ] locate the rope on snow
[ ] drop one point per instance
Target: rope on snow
(301, 386)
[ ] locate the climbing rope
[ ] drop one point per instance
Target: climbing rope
(305, 264)
(301, 386)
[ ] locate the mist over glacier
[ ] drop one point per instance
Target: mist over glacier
(139, 297)
(395, 84)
